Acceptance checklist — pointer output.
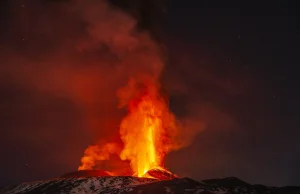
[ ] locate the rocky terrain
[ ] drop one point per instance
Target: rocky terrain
(97, 182)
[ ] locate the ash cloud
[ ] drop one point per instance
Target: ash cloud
(62, 65)
(79, 50)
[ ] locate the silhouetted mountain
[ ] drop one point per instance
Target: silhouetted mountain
(227, 182)
(91, 182)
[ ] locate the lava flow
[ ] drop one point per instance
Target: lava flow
(146, 131)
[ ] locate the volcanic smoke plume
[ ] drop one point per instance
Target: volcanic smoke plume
(92, 54)
(149, 130)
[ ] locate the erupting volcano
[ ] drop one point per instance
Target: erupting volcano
(146, 132)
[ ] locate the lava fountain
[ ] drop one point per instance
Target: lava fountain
(146, 131)
(149, 130)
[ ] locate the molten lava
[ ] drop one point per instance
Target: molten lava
(142, 132)
(147, 131)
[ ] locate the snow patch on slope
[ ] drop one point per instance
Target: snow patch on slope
(83, 185)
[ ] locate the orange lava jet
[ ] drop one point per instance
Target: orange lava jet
(147, 131)
(144, 130)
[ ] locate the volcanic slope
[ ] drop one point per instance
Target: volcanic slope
(128, 184)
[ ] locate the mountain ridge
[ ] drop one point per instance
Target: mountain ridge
(74, 184)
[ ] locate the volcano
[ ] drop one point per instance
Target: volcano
(96, 181)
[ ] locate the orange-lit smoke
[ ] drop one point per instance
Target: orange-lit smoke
(149, 130)
(95, 153)
(85, 51)
(63, 62)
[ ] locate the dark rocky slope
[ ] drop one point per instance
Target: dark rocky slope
(91, 182)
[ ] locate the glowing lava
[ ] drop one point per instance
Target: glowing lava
(147, 130)
(143, 133)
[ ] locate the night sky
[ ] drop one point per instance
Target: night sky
(232, 64)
